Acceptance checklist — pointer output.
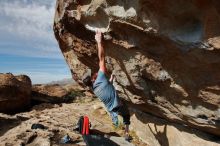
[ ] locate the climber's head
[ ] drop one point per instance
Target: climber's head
(94, 76)
(88, 80)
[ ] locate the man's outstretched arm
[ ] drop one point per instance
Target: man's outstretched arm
(101, 52)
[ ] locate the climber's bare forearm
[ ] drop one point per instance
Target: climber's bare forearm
(101, 54)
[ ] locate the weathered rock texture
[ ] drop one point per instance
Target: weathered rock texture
(165, 53)
(157, 132)
(15, 92)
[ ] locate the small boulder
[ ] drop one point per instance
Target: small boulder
(15, 92)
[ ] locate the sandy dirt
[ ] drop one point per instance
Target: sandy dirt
(59, 120)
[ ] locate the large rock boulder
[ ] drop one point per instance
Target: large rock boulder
(165, 54)
(15, 92)
(49, 93)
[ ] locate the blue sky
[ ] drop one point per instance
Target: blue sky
(27, 42)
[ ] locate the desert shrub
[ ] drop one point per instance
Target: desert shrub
(73, 95)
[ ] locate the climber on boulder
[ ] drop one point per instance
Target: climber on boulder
(106, 92)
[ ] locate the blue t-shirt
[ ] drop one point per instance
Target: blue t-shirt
(105, 91)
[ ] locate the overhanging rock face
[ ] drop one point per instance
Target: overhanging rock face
(165, 53)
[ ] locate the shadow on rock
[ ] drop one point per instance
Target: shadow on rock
(161, 136)
(7, 124)
(165, 132)
(97, 132)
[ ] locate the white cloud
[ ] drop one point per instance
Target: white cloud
(28, 20)
(28, 24)
(26, 30)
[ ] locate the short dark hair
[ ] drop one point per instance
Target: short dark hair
(87, 81)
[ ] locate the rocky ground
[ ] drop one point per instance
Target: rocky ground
(58, 108)
(59, 120)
